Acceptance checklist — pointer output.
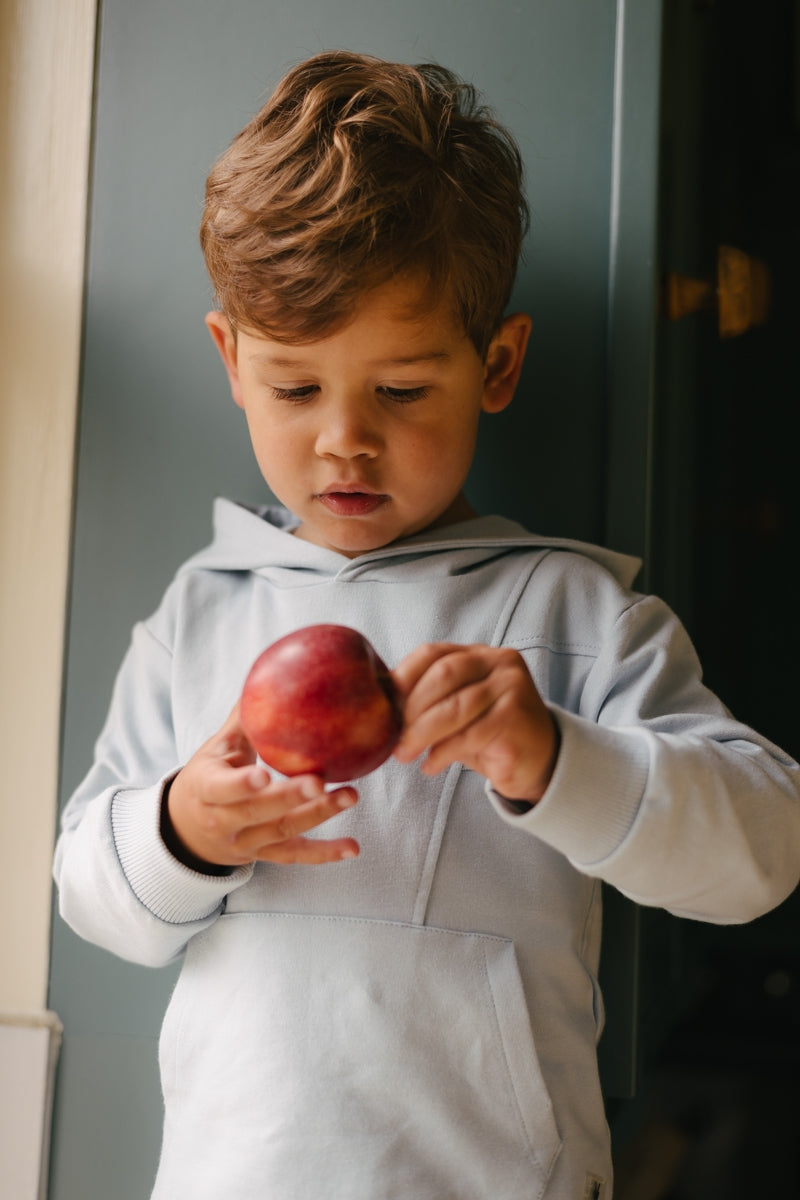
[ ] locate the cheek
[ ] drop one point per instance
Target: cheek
(442, 460)
(275, 448)
(455, 439)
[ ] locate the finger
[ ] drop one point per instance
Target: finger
(456, 669)
(513, 745)
(408, 672)
(221, 782)
(308, 851)
(467, 700)
(469, 743)
(284, 815)
(447, 714)
(455, 690)
(229, 743)
(232, 743)
(238, 831)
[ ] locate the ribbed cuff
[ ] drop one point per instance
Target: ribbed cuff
(168, 889)
(594, 795)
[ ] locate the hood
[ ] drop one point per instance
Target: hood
(260, 540)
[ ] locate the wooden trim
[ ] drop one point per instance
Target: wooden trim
(46, 86)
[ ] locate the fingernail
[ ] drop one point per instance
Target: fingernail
(349, 854)
(346, 799)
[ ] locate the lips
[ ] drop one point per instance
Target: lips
(349, 502)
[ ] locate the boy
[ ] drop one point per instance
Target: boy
(403, 1002)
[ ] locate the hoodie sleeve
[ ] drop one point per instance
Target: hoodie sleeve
(119, 887)
(660, 792)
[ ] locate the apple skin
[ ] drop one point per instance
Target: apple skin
(321, 701)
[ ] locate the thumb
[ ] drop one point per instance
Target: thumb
(232, 741)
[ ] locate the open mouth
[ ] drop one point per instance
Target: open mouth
(351, 504)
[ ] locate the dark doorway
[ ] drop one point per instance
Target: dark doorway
(719, 1107)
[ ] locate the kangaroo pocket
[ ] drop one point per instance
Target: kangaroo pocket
(355, 1059)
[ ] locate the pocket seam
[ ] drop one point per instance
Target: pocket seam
(526, 1135)
(544, 1166)
(337, 919)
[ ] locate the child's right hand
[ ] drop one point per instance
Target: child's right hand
(226, 810)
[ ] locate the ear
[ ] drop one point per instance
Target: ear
(504, 362)
(224, 339)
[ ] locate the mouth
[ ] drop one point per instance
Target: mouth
(345, 501)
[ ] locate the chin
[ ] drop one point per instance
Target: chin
(352, 547)
(349, 542)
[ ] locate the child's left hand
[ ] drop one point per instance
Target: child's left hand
(477, 705)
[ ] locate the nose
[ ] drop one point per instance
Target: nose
(349, 428)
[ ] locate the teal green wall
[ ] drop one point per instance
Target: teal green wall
(159, 436)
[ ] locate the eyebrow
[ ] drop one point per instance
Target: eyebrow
(410, 359)
(270, 360)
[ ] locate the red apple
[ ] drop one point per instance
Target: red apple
(321, 701)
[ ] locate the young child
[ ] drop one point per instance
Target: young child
(391, 992)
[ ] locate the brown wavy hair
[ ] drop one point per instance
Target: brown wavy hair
(357, 170)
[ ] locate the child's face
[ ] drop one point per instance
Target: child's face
(367, 435)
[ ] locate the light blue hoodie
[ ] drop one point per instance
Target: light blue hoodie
(420, 1022)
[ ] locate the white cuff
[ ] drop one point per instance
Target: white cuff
(168, 889)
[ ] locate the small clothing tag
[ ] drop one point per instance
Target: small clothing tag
(594, 1188)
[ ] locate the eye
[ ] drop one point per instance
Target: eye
(297, 394)
(404, 395)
